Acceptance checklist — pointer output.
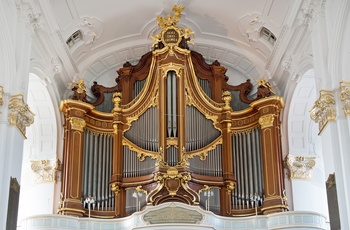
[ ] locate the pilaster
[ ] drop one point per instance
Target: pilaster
(73, 156)
(269, 110)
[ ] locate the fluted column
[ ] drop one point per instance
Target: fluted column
(118, 157)
(227, 167)
(73, 156)
(269, 111)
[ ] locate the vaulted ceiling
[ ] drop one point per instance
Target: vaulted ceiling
(93, 39)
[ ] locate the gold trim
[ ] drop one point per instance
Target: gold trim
(323, 110)
(345, 96)
(141, 153)
(203, 152)
(271, 98)
(77, 124)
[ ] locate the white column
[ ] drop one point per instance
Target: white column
(16, 39)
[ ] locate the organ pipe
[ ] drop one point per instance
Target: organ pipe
(247, 166)
(97, 160)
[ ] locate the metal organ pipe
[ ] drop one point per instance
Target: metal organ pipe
(247, 168)
(97, 169)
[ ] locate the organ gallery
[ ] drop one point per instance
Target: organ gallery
(172, 129)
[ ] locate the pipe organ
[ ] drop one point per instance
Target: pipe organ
(172, 130)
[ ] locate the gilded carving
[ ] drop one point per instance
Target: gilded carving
(117, 100)
(20, 114)
(300, 167)
(14, 184)
(77, 123)
(46, 170)
(79, 90)
(323, 110)
(226, 97)
(115, 188)
(171, 35)
(266, 121)
(345, 96)
(1, 95)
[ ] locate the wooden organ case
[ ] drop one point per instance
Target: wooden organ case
(172, 130)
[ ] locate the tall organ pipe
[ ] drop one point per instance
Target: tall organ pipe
(97, 169)
(246, 155)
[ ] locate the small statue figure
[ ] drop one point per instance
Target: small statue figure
(79, 90)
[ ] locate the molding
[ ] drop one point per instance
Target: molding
(345, 96)
(20, 114)
(46, 170)
(300, 167)
(323, 110)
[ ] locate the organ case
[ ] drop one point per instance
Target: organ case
(172, 130)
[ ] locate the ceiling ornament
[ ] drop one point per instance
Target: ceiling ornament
(46, 170)
(310, 11)
(289, 64)
(323, 110)
(20, 114)
(300, 167)
(345, 96)
(250, 27)
(32, 16)
(91, 29)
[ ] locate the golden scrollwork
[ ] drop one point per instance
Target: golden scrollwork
(266, 121)
(323, 110)
(77, 123)
(20, 114)
(345, 96)
(1, 95)
(46, 170)
(140, 190)
(175, 179)
(300, 167)
(141, 153)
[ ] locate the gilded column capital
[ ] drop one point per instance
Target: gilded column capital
(345, 96)
(46, 170)
(20, 114)
(323, 110)
(266, 121)
(77, 123)
(300, 167)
